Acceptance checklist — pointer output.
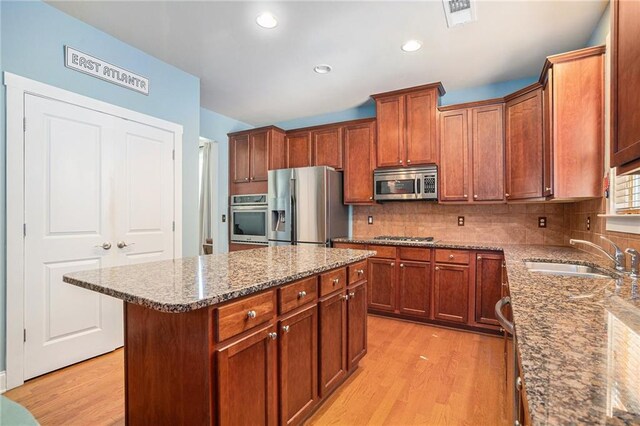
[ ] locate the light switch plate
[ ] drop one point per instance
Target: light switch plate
(542, 222)
(460, 220)
(224, 218)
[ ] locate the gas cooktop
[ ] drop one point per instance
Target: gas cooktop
(409, 239)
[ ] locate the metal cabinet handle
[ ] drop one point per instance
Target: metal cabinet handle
(122, 244)
(475, 196)
(370, 198)
(393, 263)
(246, 179)
(451, 256)
(479, 257)
(336, 281)
(400, 161)
(273, 336)
(506, 195)
(352, 294)
(302, 294)
(547, 188)
(402, 265)
(465, 196)
(408, 161)
(345, 297)
(360, 271)
(519, 383)
(437, 268)
(504, 322)
(251, 314)
(285, 328)
(105, 246)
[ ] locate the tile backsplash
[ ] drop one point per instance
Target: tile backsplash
(498, 223)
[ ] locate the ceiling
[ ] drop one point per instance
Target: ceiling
(263, 76)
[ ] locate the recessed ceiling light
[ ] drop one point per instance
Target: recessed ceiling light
(267, 20)
(322, 69)
(411, 45)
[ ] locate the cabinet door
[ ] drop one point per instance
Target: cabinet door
(327, 147)
(454, 156)
(277, 151)
(547, 135)
(359, 162)
(246, 388)
(488, 287)
(333, 342)
(451, 293)
(357, 324)
(299, 149)
(415, 288)
(625, 83)
(420, 141)
(298, 365)
(390, 113)
(524, 146)
(382, 276)
(259, 164)
(487, 146)
(240, 158)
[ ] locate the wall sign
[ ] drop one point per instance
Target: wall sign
(79, 61)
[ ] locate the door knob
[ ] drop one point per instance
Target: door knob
(106, 245)
(122, 244)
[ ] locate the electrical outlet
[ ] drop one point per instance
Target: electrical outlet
(542, 222)
(224, 218)
(370, 220)
(588, 223)
(460, 220)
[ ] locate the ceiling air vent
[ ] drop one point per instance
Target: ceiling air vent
(459, 11)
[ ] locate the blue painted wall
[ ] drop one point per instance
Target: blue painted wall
(215, 126)
(366, 110)
(603, 28)
(489, 91)
(33, 35)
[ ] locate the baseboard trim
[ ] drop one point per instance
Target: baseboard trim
(3, 382)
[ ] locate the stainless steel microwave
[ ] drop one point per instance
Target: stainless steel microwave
(249, 219)
(407, 183)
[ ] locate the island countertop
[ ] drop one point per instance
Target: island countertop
(186, 284)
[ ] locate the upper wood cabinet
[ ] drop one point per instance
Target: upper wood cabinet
(406, 126)
(299, 148)
(359, 162)
(252, 154)
(573, 106)
(326, 146)
(625, 86)
(523, 130)
(472, 152)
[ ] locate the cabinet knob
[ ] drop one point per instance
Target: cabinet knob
(504, 284)
(465, 196)
(475, 196)
(246, 178)
(437, 268)
(408, 161)
(451, 256)
(547, 188)
(506, 195)
(285, 328)
(336, 281)
(302, 294)
(273, 336)
(352, 294)
(400, 161)
(393, 264)
(370, 198)
(479, 257)
(251, 314)
(360, 271)
(402, 265)
(345, 297)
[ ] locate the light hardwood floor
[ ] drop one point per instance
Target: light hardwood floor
(412, 374)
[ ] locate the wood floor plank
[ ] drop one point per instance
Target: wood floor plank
(413, 374)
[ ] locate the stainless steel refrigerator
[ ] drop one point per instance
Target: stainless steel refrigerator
(305, 206)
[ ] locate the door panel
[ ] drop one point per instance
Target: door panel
(359, 158)
(454, 156)
(547, 137)
(421, 143)
(357, 324)
(451, 293)
(240, 158)
(382, 276)
(488, 287)
(390, 113)
(69, 155)
(415, 288)
(258, 159)
(333, 342)
(327, 147)
(487, 136)
(299, 149)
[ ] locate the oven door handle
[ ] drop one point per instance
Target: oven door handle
(504, 322)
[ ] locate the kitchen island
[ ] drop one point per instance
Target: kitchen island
(253, 337)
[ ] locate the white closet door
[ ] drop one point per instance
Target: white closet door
(69, 214)
(144, 194)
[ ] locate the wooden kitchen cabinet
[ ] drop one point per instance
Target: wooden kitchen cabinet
(326, 145)
(451, 293)
(488, 287)
(298, 148)
(472, 152)
(573, 107)
(523, 130)
(258, 156)
(406, 126)
(359, 162)
(625, 86)
(333, 341)
(382, 277)
(415, 288)
(277, 151)
(247, 380)
(240, 158)
(356, 323)
(298, 370)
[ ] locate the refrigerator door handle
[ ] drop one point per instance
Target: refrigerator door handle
(294, 218)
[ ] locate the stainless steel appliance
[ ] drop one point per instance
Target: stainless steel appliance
(414, 183)
(405, 239)
(305, 206)
(249, 219)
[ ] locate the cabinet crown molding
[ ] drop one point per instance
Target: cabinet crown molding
(486, 102)
(438, 85)
(257, 129)
(569, 56)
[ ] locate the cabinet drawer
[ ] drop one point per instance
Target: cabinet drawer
(387, 252)
(244, 314)
(357, 272)
(355, 246)
(452, 256)
(297, 294)
(332, 281)
(414, 253)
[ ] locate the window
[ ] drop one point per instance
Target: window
(627, 194)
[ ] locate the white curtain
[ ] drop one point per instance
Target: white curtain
(207, 190)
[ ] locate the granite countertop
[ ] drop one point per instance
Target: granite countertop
(436, 243)
(578, 338)
(186, 284)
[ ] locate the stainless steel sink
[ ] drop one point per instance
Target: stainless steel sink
(569, 269)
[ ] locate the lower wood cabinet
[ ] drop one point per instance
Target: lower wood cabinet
(488, 287)
(451, 293)
(247, 379)
(333, 341)
(356, 324)
(298, 358)
(415, 288)
(382, 277)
